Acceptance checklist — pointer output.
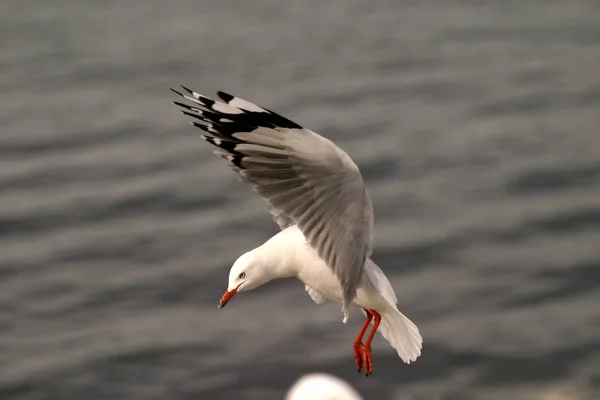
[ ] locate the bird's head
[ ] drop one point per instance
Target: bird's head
(245, 274)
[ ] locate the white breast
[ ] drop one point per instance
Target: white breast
(315, 273)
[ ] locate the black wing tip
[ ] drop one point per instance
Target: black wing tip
(236, 159)
(176, 92)
(191, 114)
(182, 105)
(200, 126)
(230, 154)
(190, 91)
(251, 119)
(226, 97)
(227, 145)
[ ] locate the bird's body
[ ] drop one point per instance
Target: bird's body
(289, 255)
(317, 197)
(290, 249)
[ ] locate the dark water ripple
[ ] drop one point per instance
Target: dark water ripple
(554, 179)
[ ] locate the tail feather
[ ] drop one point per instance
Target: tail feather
(402, 334)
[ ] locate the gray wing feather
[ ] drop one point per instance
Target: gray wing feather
(306, 179)
(323, 192)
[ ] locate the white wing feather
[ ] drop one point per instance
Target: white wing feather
(316, 296)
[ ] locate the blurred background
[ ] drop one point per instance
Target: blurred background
(476, 126)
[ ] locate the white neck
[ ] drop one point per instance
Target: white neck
(278, 254)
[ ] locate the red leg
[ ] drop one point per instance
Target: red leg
(358, 359)
(366, 349)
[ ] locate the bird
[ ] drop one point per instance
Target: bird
(316, 195)
(321, 386)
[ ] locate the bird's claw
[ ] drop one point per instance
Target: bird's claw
(367, 360)
(363, 358)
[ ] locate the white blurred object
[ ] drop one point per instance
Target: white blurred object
(321, 386)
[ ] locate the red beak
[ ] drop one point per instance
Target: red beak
(228, 295)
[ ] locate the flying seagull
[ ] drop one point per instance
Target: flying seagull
(315, 193)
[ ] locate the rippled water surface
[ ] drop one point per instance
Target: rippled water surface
(476, 126)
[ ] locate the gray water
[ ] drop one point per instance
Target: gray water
(476, 126)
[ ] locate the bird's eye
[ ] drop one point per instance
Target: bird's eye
(242, 275)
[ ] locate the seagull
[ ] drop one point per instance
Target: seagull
(316, 194)
(321, 386)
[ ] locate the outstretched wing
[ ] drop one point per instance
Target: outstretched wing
(306, 179)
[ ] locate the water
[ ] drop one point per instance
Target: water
(475, 125)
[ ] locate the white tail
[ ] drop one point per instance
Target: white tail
(402, 334)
